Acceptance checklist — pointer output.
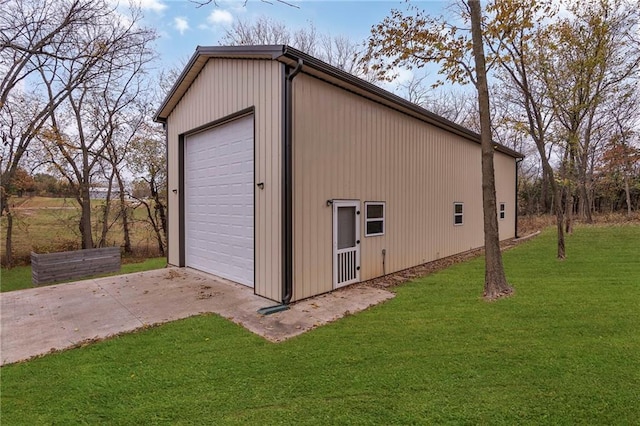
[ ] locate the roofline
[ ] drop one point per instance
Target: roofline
(271, 52)
(287, 54)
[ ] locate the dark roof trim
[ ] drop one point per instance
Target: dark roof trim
(318, 68)
(198, 61)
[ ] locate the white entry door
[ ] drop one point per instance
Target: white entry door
(219, 203)
(346, 243)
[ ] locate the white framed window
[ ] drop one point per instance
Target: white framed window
(458, 213)
(374, 212)
(502, 211)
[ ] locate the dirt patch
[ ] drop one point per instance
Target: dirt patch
(400, 277)
(172, 274)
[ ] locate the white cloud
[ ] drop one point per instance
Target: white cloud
(181, 24)
(219, 16)
(155, 5)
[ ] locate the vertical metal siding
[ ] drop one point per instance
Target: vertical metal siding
(224, 87)
(348, 147)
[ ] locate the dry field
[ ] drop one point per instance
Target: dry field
(51, 224)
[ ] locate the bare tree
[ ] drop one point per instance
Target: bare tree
(148, 162)
(339, 51)
(42, 64)
(262, 31)
(78, 145)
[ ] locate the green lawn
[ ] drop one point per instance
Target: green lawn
(19, 278)
(564, 350)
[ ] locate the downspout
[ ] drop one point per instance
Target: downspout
(518, 161)
(287, 185)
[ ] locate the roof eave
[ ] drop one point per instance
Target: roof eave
(291, 56)
(197, 62)
(294, 55)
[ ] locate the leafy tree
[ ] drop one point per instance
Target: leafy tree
(416, 38)
(517, 29)
(589, 56)
(22, 182)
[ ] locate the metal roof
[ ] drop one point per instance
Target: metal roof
(317, 68)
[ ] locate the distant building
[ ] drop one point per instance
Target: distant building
(100, 193)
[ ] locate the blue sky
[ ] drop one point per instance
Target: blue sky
(183, 26)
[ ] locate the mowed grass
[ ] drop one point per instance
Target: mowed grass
(19, 278)
(564, 350)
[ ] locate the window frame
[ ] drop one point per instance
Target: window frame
(502, 211)
(382, 219)
(456, 214)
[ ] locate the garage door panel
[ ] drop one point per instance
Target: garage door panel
(219, 211)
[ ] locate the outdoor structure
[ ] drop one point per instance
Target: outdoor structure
(295, 178)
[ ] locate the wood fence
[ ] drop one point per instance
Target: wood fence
(53, 267)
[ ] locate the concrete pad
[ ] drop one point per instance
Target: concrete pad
(45, 319)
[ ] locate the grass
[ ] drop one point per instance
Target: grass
(564, 350)
(19, 278)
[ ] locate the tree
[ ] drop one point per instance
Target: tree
(495, 282)
(454, 105)
(620, 158)
(588, 57)
(82, 134)
(48, 50)
(148, 162)
(517, 47)
(411, 40)
(339, 51)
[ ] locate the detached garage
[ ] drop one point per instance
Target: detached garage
(295, 178)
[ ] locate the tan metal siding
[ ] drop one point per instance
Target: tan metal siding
(506, 193)
(348, 147)
(225, 87)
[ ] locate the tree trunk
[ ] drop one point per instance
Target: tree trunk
(8, 247)
(543, 204)
(557, 208)
(125, 216)
(559, 225)
(159, 206)
(105, 215)
(495, 284)
(627, 193)
(156, 228)
(85, 218)
(568, 211)
(585, 200)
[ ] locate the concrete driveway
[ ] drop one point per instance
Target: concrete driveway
(46, 319)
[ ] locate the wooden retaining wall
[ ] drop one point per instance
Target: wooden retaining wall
(53, 267)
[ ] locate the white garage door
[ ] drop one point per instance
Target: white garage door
(218, 186)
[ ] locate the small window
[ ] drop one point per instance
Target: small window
(374, 219)
(457, 214)
(503, 209)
